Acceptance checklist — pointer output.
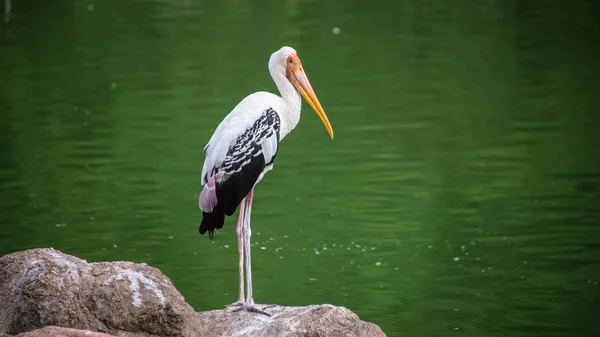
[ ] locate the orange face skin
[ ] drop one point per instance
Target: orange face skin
(293, 64)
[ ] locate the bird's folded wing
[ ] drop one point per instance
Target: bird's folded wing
(235, 147)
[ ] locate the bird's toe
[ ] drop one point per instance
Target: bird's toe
(235, 304)
(254, 308)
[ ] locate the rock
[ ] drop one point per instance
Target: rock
(43, 287)
(312, 321)
(61, 295)
(56, 331)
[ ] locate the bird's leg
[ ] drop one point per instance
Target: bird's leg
(239, 229)
(240, 237)
(247, 234)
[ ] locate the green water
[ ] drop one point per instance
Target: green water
(461, 195)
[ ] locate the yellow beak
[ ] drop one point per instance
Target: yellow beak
(300, 81)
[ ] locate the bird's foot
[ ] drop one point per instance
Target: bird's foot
(257, 308)
(238, 303)
(254, 308)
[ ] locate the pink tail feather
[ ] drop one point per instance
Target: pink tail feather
(208, 196)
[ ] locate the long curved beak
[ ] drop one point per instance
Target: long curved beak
(300, 81)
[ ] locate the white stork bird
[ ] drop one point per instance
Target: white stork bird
(243, 148)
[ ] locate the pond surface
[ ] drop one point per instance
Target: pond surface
(461, 194)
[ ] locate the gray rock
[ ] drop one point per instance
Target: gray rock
(311, 321)
(70, 297)
(43, 287)
(57, 331)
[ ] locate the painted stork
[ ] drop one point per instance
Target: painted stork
(243, 148)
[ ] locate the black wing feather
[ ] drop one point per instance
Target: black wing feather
(243, 164)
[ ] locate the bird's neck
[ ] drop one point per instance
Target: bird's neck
(290, 116)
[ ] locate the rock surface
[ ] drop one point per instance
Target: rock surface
(43, 287)
(311, 321)
(45, 293)
(56, 331)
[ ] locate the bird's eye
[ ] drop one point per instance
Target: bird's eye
(291, 61)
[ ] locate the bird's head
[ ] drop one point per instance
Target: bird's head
(286, 61)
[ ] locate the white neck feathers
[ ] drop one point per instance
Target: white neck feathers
(292, 101)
